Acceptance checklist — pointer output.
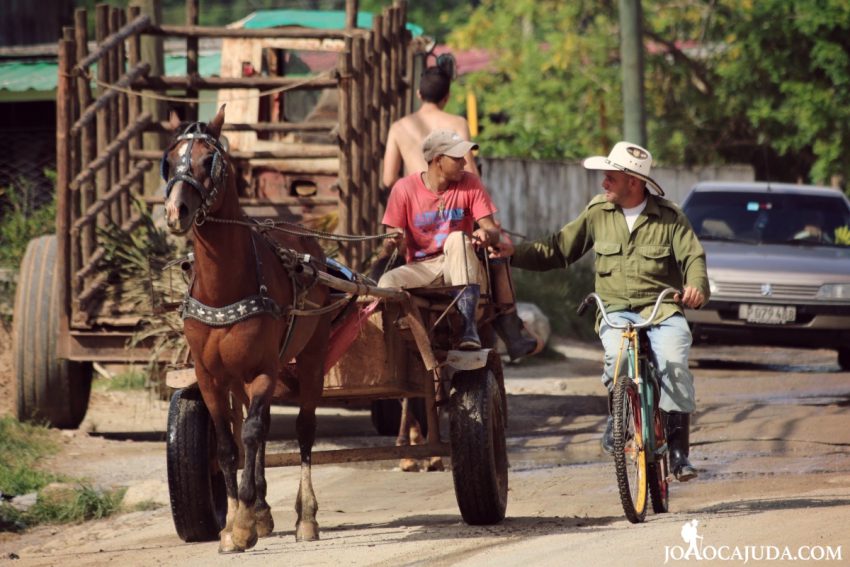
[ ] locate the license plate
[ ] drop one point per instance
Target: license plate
(768, 314)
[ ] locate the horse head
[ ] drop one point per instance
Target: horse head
(195, 168)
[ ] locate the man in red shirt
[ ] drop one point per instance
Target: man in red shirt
(434, 213)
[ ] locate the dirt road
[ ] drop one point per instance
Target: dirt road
(770, 439)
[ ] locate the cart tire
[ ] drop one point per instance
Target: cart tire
(479, 453)
(48, 389)
(195, 483)
(386, 415)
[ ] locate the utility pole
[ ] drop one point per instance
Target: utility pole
(631, 59)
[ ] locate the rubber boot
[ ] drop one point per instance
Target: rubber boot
(509, 328)
(608, 436)
(678, 437)
(467, 304)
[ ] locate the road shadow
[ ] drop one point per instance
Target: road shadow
(744, 507)
(450, 526)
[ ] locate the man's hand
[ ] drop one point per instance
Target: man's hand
(392, 242)
(692, 298)
(503, 249)
(485, 237)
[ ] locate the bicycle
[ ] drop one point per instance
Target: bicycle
(640, 446)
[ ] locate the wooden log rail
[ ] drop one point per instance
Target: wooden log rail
(139, 24)
(118, 144)
(293, 32)
(90, 215)
(214, 83)
(301, 151)
(105, 99)
(281, 127)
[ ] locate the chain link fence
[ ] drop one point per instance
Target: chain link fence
(28, 154)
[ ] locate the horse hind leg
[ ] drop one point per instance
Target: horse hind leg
(408, 434)
(253, 437)
(306, 505)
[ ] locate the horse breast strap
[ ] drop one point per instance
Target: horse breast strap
(235, 312)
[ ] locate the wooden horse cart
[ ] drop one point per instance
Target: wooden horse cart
(68, 311)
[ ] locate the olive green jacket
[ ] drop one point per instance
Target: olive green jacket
(631, 268)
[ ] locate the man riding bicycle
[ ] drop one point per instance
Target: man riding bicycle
(643, 244)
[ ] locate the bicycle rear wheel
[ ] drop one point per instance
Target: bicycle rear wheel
(629, 450)
(657, 471)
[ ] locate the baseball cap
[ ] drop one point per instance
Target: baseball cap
(445, 143)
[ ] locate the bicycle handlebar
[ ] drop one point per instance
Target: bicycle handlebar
(594, 297)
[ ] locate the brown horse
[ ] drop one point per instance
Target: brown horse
(241, 326)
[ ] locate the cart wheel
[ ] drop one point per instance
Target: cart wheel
(386, 415)
(48, 389)
(479, 454)
(195, 483)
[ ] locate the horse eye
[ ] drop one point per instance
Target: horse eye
(208, 163)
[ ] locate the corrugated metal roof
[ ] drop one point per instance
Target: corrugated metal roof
(323, 20)
(20, 76)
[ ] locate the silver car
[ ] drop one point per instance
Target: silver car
(778, 265)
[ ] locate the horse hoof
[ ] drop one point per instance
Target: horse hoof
(409, 465)
(226, 545)
(244, 538)
(307, 531)
(436, 464)
(265, 522)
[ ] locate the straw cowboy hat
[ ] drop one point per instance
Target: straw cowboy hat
(628, 158)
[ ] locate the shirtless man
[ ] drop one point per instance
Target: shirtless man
(404, 141)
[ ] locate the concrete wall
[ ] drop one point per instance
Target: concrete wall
(538, 197)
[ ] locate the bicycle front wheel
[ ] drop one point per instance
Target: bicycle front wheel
(629, 450)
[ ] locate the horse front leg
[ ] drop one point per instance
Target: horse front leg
(245, 531)
(227, 453)
(262, 511)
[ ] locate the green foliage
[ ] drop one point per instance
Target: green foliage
(21, 446)
(84, 503)
(129, 380)
(728, 81)
(23, 221)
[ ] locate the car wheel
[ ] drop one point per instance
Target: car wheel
(844, 358)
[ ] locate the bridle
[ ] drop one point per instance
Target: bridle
(183, 172)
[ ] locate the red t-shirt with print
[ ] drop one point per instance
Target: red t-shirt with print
(427, 217)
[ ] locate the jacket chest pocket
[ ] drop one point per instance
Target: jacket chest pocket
(608, 257)
(654, 260)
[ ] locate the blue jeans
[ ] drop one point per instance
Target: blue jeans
(670, 342)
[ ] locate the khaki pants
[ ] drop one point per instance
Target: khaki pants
(458, 265)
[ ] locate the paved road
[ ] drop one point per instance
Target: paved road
(770, 439)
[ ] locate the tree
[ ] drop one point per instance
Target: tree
(726, 80)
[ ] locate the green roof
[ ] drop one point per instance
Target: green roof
(323, 20)
(36, 79)
(33, 78)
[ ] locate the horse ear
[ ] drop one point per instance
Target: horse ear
(214, 126)
(173, 120)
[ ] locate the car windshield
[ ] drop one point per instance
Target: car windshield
(770, 218)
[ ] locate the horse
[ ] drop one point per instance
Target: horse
(244, 319)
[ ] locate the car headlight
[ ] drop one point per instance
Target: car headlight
(834, 291)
